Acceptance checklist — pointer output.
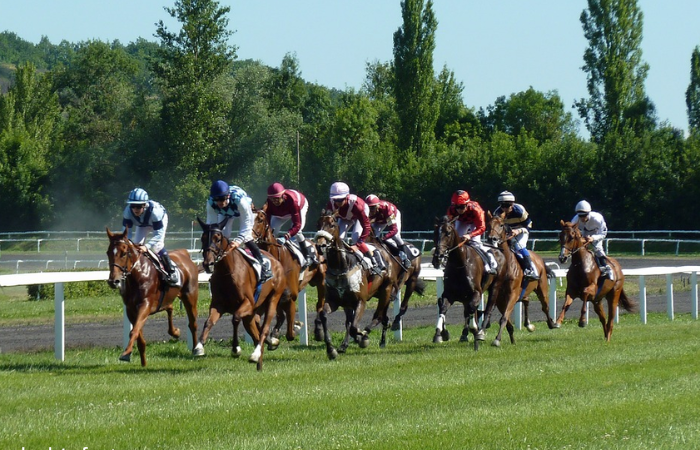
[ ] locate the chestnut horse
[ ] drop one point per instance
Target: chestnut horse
(144, 291)
(512, 287)
(235, 290)
(465, 279)
(583, 280)
(350, 286)
(296, 279)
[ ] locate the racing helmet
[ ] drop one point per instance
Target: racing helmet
(460, 197)
(506, 196)
(219, 189)
(372, 200)
(275, 190)
(583, 208)
(138, 196)
(339, 190)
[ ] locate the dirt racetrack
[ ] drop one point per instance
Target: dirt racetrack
(32, 338)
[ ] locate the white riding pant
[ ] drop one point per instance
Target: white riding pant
(276, 223)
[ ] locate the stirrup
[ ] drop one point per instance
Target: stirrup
(530, 274)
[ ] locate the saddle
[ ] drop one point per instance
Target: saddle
(255, 264)
(162, 271)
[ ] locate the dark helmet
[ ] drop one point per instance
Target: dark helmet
(219, 189)
(275, 190)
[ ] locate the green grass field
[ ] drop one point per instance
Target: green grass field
(555, 389)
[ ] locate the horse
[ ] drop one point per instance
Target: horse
(350, 286)
(144, 290)
(513, 287)
(297, 280)
(235, 290)
(584, 280)
(465, 279)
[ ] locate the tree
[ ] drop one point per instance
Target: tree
(191, 71)
(417, 97)
(287, 89)
(613, 62)
(692, 94)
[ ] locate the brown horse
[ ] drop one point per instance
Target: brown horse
(297, 280)
(465, 279)
(583, 280)
(511, 286)
(350, 286)
(144, 291)
(235, 290)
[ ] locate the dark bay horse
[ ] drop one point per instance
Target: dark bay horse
(511, 287)
(465, 279)
(583, 280)
(350, 286)
(296, 279)
(233, 290)
(144, 291)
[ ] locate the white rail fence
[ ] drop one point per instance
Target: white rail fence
(427, 273)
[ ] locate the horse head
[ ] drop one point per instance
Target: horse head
(122, 256)
(261, 227)
(328, 232)
(497, 230)
(445, 240)
(214, 244)
(570, 240)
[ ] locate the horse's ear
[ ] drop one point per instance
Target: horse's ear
(222, 224)
(109, 233)
(201, 224)
(489, 216)
(563, 224)
(126, 232)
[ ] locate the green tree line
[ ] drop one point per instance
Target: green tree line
(81, 124)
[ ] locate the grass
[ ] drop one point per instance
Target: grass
(555, 389)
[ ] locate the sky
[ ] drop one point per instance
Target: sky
(494, 48)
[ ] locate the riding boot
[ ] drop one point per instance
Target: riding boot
(605, 269)
(173, 278)
(493, 265)
(265, 272)
(379, 262)
(529, 270)
(375, 265)
(406, 255)
(308, 260)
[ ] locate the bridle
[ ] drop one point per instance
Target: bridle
(566, 247)
(218, 250)
(125, 269)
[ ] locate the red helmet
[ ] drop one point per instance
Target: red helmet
(275, 190)
(372, 200)
(460, 198)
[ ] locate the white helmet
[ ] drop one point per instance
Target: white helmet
(506, 196)
(583, 207)
(339, 190)
(137, 196)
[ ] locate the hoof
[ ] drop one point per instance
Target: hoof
(342, 349)
(298, 326)
(464, 338)
(496, 343)
(437, 339)
(530, 328)
(236, 352)
(198, 350)
(126, 357)
(445, 335)
(363, 342)
(332, 354)
(396, 325)
(176, 333)
(480, 336)
(253, 360)
(582, 323)
(382, 344)
(273, 343)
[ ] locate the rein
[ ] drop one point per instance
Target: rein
(124, 269)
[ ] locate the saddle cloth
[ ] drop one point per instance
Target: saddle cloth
(253, 261)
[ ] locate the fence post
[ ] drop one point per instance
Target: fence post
(126, 330)
(642, 299)
(59, 323)
(398, 334)
(303, 317)
(669, 296)
(553, 298)
(694, 295)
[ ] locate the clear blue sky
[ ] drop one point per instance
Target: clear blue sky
(494, 48)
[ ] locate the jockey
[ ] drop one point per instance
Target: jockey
(353, 214)
(517, 218)
(470, 225)
(383, 214)
(593, 229)
(227, 203)
(148, 215)
(285, 204)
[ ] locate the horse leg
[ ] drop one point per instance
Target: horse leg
(598, 308)
(141, 344)
(191, 309)
(214, 316)
(291, 316)
(612, 310)
(172, 331)
(319, 333)
(542, 292)
(385, 327)
(526, 317)
(441, 333)
(569, 299)
(408, 292)
(323, 316)
(140, 319)
(582, 321)
(272, 303)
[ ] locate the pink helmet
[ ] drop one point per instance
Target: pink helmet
(372, 200)
(339, 190)
(275, 190)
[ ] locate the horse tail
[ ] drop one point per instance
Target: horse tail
(627, 303)
(419, 287)
(549, 271)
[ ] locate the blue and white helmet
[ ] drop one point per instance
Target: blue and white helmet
(137, 196)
